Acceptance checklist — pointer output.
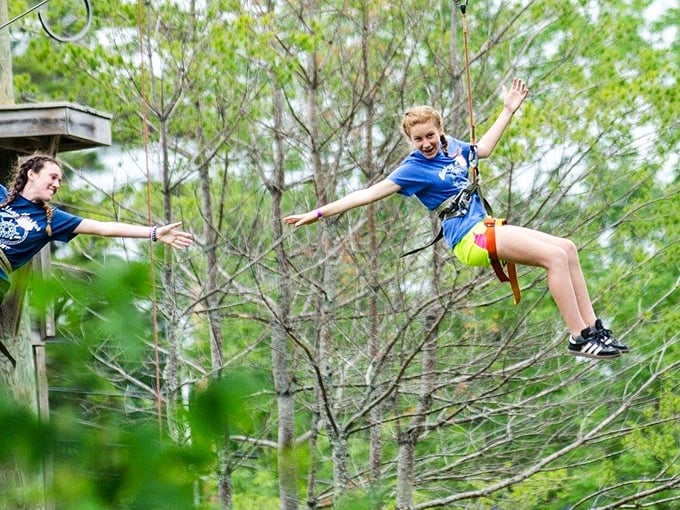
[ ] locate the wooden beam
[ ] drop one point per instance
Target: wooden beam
(27, 128)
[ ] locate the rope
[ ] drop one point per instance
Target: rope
(145, 138)
(490, 222)
(473, 141)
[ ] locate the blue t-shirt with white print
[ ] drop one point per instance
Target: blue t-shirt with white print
(437, 179)
(22, 229)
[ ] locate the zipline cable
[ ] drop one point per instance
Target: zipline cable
(17, 18)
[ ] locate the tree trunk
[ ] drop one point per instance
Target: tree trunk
(405, 461)
(19, 384)
(340, 460)
(281, 352)
(224, 489)
(15, 332)
(408, 439)
(375, 449)
(313, 455)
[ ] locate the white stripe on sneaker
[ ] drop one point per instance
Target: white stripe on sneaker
(592, 347)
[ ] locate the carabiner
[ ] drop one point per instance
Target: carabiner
(462, 6)
(473, 159)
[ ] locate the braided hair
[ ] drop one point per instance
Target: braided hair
(35, 163)
(422, 115)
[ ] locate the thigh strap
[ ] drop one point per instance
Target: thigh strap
(496, 263)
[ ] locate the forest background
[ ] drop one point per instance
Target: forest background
(268, 367)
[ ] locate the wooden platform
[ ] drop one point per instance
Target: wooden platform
(52, 127)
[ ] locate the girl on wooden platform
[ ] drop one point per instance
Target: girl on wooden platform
(29, 221)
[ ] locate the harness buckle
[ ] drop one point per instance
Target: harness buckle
(458, 205)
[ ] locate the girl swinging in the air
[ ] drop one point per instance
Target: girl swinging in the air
(436, 171)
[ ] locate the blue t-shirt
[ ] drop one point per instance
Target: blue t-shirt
(22, 229)
(435, 180)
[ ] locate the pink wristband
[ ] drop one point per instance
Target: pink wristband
(319, 214)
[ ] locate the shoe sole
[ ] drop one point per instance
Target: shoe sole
(594, 356)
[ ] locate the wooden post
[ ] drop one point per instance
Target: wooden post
(25, 129)
(45, 330)
(18, 382)
(6, 76)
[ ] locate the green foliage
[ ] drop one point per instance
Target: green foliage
(220, 409)
(99, 458)
(363, 500)
(25, 437)
(648, 450)
(540, 490)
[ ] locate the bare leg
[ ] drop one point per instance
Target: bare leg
(559, 257)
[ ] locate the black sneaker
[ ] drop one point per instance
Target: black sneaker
(588, 344)
(605, 335)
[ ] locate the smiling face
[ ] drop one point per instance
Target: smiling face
(424, 128)
(42, 183)
(426, 138)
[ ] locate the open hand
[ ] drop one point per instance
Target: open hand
(513, 98)
(172, 236)
(301, 219)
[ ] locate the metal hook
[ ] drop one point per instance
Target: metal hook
(46, 26)
(74, 38)
(462, 6)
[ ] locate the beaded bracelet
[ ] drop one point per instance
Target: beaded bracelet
(153, 234)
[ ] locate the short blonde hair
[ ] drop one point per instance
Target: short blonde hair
(420, 115)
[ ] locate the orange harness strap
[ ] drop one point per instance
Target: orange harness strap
(495, 262)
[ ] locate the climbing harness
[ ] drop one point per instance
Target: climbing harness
(48, 28)
(454, 207)
(459, 204)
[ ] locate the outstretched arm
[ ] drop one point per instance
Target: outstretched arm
(358, 198)
(512, 100)
(168, 234)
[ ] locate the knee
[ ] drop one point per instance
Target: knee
(563, 256)
(558, 259)
(570, 249)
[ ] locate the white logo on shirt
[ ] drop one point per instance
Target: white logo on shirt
(14, 228)
(456, 169)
